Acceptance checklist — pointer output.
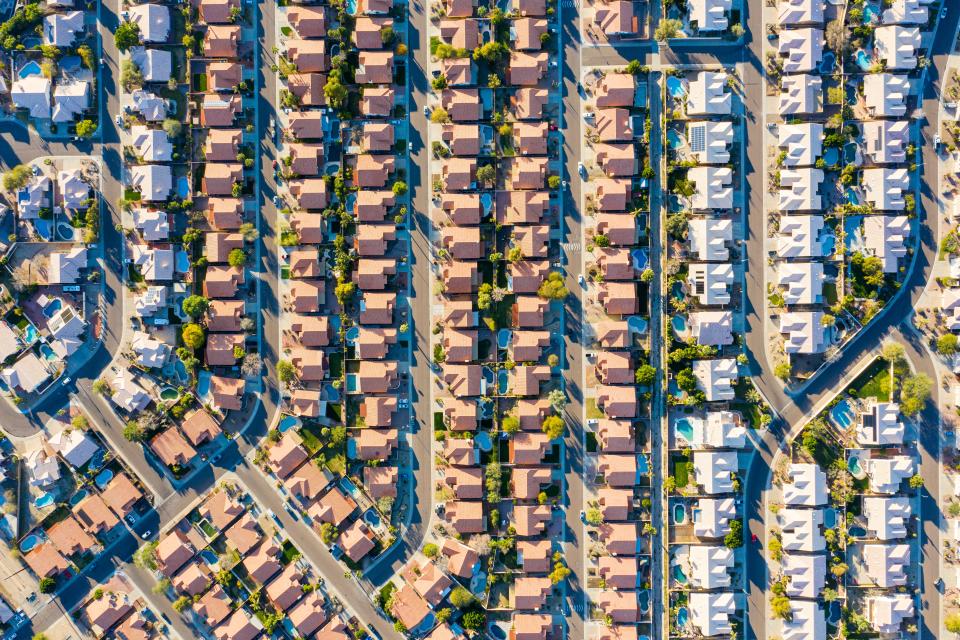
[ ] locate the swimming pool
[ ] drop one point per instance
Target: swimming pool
(203, 383)
(852, 196)
(288, 422)
(30, 334)
(679, 324)
(503, 381)
(682, 616)
(347, 485)
(486, 201)
(182, 262)
(830, 518)
(684, 429)
(52, 307)
(45, 500)
(857, 532)
(674, 139)
(850, 153)
(675, 87)
(351, 6)
(640, 259)
(486, 407)
(28, 543)
(853, 465)
(679, 514)
(32, 68)
(831, 156)
(870, 14)
(66, 232)
(483, 442)
(103, 478)
(353, 383)
(842, 414)
(372, 518)
(47, 352)
(352, 335)
(637, 324)
(78, 497)
(504, 337)
(826, 65)
(863, 60)
(169, 393)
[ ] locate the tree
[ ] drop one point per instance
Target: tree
(558, 400)
(559, 573)
(461, 598)
(473, 620)
(780, 605)
(668, 28)
(634, 67)
(252, 365)
(286, 371)
(443, 615)
(146, 556)
(172, 128)
(646, 375)
(553, 426)
(79, 421)
(783, 370)
(736, 30)
(127, 35)
(594, 517)
(17, 178)
(431, 550)
(947, 344)
(552, 288)
(916, 481)
(952, 622)
(181, 603)
(101, 386)
(237, 257)
(734, 538)
(48, 585)
(399, 188)
(914, 393)
(249, 231)
(86, 128)
(131, 77)
(510, 424)
(193, 335)
(686, 380)
(195, 306)
(484, 296)
(486, 174)
(439, 116)
(161, 586)
(490, 51)
(553, 182)
(646, 275)
(133, 432)
(334, 90)
(893, 352)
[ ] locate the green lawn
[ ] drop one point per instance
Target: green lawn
(288, 553)
(310, 433)
(874, 382)
(681, 472)
(593, 413)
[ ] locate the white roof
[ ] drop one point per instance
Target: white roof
(712, 516)
(803, 143)
(70, 99)
(886, 140)
(709, 238)
(716, 378)
(710, 282)
(74, 190)
(154, 181)
(127, 394)
(807, 622)
(65, 268)
(152, 145)
(26, 374)
(885, 186)
(156, 65)
(74, 446)
(807, 486)
(799, 189)
(155, 264)
(801, 529)
(886, 564)
(151, 300)
(806, 574)
(797, 12)
(710, 15)
(153, 20)
(150, 106)
(897, 46)
(710, 141)
(61, 29)
(709, 566)
(717, 429)
(713, 470)
(907, 12)
(886, 94)
(708, 95)
(887, 474)
(803, 332)
(67, 328)
(33, 94)
(887, 517)
(33, 197)
(886, 238)
(803, 281)
(150, 352)
(714, 187)
(153, 224)
(887, 612)
(9, 342)
(800, 237)
(43, 467)
(801, 94)
(802, 48)
(880, 425)
(714, 328)
(711, 612)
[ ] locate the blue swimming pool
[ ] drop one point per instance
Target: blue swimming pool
(682, 616)
(28, 543)
(183, 188)
(32, 68)
(47, 352)
(483, 442)
(351, 7)
(850, 153)
(640, 259)
(674, 139)
(45, 500)
(679, 514)
(52, 307)
(66, 232)
(43, 228)
(842, 414)
(209, 557)
(182, 262)
(78, 497)
(181, 370)
(486, 407)
(351, 202)
(675, 87)
(826, 65)
(679, 324)
(637, 324)
(103, 478)
(503, 381)
(486, 201)
(203, 383)
(371, 517)
(684, 429)
(680, 577)
(30, 334)
(863, 60)
(831, 156)
(346, 484)
(352, 334)
(830, 518)
(853, 465)
(870, 14)
(287, 423)
(504, 337)
(857, 532)
(852, 197)
(353, 383)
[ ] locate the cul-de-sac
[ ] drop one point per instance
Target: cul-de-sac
(479, 319)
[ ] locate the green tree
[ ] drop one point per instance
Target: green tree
(17, 177)
(594, 517)
(172, 128)
(645, 375)
(510, 424)
(916, 481)
(399, 188)
(431, 550)
(334, 90)
(553, 182)
(558, 400)
(439, 115)
(893, 352)
(780, 605)
(947, 344)
(914, 392)
(634, 67)
(131, 77)
(952, 622)
(237, 257)
(195, 306)
(668, 28)
(101, 386)
(491, 51)
(734, 537)
(461, 598)
(48, 585)
(146, 556)
(127, 35)
(559, 573)
(647, 275)
(181, 603)
(486, 174)
(193, 335)
(86, 128)
(552, 288)
(286, 371)
(133, 432)
(783, 370)
(553, 426)
(473, 620)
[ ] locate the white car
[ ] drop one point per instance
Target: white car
(937, 140)
(581, 280)
(119, 120)
(409, 146)
(581, 169)
(943, 12)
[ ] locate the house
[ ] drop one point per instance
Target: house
(121, 495)
(334, 507)
(225, 213)
(709, 238)
(219, 110)
(156, 65)
(462, 561)
(711, 613)
(793, 13)
(714, 187)
(802, 49)
(708, 94)
(802, 281)
(886, 94)
(308, 614)
(714, 328)
(801, 529)
(356, 541)
(531, 626)
(715, 470)
(807, 620)
(888, 612)
(462, 104)
(709, 142)
(127, 394)
(615, 436)
(717, 429)
(224, 315)
(799, 189)
(528, 103)
(617, 401)
(530, 593)
(219, 11)
(306, 403)
(192, 579)
(172, 448)
(888, 474)
(409, 608)
(69, 538)
(284, 590)
(807, 486)
(381, 482)
(226, 393)
(262, 563)
(885, 187)
(173, 551)
(710, 282)
(70, 99)
(376, 67)
(886, 565)
(616, 90)
(465, 517)
(709, 15)
(153, 21)
(102, 614)
(148, 105)
(33, 94)
(799, 237)
(429, 581)
(616, 18)
(222, 145)
(713, 516)
(200, 427)
(221, 509)
(880, 425)
(309, 56)
(375, 444)
(534, 556)
(65, 268)
(214, 606)
(460, 34)
(886, 238)
(152, 145)
(286, 455)
(308, 21)
(62, 29)
(377, 101)
(527, 69)
(896, 46)
(907, 12)
(45, 561)
(806, 575)
(237, 627)
(618, 470)
(531, 520)
(221, 41)
(528, 33)
(804, 332)
(801, 94)
(802, 141)
(708, 567)
(886, 141)
(617, 298)
(153, 181)
(308, 88)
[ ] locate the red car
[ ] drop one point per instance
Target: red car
(754, 538)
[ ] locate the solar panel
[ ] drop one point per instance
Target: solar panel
(698, 138)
